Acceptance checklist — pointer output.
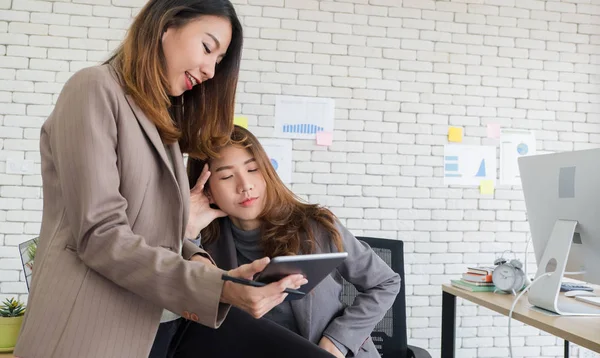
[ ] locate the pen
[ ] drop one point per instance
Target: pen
(243, 281)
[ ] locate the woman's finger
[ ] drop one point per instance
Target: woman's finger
(202, 179)
(218, 213)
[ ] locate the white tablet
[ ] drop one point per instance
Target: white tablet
(315, 267)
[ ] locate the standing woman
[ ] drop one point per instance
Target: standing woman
(114, 259)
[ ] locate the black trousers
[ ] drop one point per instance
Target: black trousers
(166, 339)
(240, 336)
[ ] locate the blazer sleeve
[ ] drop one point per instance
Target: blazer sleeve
(378, 286)
(83, 144)
(193, 247)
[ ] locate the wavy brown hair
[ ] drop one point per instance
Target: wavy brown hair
(286, 222)
(202, 118)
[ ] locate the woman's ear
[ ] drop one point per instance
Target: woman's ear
(209, 196)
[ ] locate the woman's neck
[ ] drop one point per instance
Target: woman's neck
(246, 225)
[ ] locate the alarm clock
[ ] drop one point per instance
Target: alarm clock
(508, 276)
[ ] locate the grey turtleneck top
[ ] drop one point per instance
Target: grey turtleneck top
(247, 244)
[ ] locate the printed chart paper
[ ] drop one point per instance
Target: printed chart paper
(469, 164)
(514, 144)
(303, 117)
(280, 154)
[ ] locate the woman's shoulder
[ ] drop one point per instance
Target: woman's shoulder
(100, 77)
(323, 233)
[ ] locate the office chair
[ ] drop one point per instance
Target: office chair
(389, 335)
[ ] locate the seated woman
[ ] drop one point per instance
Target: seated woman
(264, 218)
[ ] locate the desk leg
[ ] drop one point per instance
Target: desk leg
(566, 349)
(448, 325)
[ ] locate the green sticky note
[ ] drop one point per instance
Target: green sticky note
(455, 134)
(241, 121)
(486, 187)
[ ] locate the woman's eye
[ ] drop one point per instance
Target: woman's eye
(206, 48)
(252, 170)
(225, 178)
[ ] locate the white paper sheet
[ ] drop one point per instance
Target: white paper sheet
(514, 144)
(280, 153)
(469, 164)
(303, 117)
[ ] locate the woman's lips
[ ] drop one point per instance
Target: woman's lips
(188, 83)
(248, 202)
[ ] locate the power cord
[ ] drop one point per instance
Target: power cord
(515, 304)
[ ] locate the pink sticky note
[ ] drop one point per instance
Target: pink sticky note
(493, 130)
(324, 138)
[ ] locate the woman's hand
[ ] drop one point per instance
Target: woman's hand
(201, 214)
(257, 300)
(328, 345)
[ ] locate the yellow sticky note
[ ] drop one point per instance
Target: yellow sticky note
(241, 121)
(486, 187)
(455, 134)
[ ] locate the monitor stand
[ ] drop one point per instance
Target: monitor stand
(545, 294)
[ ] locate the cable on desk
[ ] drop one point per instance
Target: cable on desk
(512, 308)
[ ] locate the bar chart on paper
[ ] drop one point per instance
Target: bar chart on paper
(302, 128)
(303, 117)
(469, 164)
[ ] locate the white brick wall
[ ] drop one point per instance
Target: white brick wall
(401, 72)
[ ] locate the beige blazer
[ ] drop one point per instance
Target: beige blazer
(113, 222)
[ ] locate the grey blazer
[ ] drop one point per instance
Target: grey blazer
(112, 231)
(321, 311)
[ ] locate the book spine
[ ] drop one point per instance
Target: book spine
(477, 278)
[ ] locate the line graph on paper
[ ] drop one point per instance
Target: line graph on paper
(302, 117)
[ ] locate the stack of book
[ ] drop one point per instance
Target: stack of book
(476, 279)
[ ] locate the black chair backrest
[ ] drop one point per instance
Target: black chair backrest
(389, 335)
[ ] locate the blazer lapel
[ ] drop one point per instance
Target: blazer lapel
(223, 249)
(182, 180)
(150, 130)
(178, 169)
(302, 309)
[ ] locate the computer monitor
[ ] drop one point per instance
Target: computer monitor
(562, 198)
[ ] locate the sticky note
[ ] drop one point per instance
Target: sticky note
(493, 130)
(455, 134)
(486, 187)
(324, 138)
(241, 121)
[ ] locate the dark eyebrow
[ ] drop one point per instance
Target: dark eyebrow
(231, 166)
(214, 39)
(218, 44)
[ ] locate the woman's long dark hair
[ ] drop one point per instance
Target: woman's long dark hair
(286, 221)
(206, 119)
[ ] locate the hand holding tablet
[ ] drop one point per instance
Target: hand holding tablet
(314, 267)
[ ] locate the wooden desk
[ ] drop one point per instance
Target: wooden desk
(583, 331)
